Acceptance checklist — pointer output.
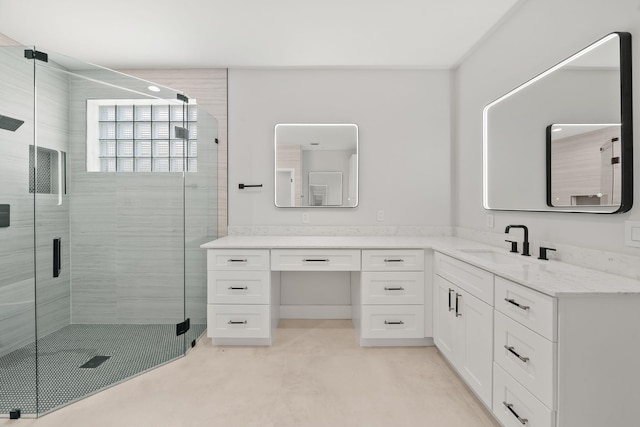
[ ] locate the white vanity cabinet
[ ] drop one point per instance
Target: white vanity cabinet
(525, 349)
(391, 295)
(387, 292)
(554, 346)
(463, 321)
(566, 361)
(565, 358)
(242, 298)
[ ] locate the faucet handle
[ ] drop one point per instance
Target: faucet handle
(514, 245)
(543, 253)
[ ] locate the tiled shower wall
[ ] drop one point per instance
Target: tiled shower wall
(19, 296)
(127, 231)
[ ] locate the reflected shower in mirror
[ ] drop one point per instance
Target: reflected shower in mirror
(310, 163)
(325, 188)
(583, 165)
(530, 164)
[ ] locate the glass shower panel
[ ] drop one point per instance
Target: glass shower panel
(109, 233)
(201, 207)
(18, 389)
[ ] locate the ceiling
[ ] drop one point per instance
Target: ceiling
(255, 33)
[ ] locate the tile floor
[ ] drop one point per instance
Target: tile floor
(315, 374)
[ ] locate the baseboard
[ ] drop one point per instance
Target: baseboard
(242, 341)
(315, 312)
(396, 342)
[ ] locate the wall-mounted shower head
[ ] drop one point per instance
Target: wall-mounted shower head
(9, 123)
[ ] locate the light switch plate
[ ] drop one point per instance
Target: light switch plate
(380, 216)
(632, 233)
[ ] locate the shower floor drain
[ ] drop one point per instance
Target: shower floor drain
(96, 361)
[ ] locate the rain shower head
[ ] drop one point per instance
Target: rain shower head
(9, 123)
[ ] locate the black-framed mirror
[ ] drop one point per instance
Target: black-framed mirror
(543, 140)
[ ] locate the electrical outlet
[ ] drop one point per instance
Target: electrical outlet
(632, 233)
(380, 216)
(490, 221)
(305, 217)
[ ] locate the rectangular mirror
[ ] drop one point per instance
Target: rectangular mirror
(310, 163)
(542, 140)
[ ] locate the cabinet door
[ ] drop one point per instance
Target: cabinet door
(444, 321)
(474, 343)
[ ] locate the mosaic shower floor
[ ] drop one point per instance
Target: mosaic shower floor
(132, 349)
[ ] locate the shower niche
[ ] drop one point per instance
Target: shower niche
(49, 176)
(103, 302)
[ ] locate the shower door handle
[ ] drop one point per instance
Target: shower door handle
(57, 256)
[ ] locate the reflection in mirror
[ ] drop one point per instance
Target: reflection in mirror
(591, 87)
(583, 165)
(310, 162)
(325, 188)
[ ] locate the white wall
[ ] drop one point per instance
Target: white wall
(404, 135)
(404, 124)
(535, 37)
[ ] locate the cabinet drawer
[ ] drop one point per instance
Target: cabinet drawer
(523, 405)
(237, 259)
(531, 308)
(238, 321)
(238, 287)
(526, 356)
(474, 280)
(384, 287)
(392, 321)
(315, 260)
(392, 260)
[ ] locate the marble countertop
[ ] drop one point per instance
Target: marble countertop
(554, 278)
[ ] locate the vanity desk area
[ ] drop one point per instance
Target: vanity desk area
(540, 343)
(390, 285)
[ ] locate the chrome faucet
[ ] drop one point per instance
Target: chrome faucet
(525, 243)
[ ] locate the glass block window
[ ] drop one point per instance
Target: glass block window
(141, 136)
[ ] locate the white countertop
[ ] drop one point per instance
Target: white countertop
(553, 278)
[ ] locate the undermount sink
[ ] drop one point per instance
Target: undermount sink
(494, 256)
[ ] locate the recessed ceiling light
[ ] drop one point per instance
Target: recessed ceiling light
(557, 129)
(153, 88)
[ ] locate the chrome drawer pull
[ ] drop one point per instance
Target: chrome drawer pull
(315, 260)
(393, 322)
(237, 322)
(393, 260)
(237, 260)
(450, 306)
(511, 301)
(512, 351)
(509, 406)
(399, 288)
(238, 288)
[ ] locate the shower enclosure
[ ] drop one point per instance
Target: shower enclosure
(107, 189)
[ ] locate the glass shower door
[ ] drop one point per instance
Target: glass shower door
(109, 228)
(201, 220)
(109, 188)
(18, 390)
